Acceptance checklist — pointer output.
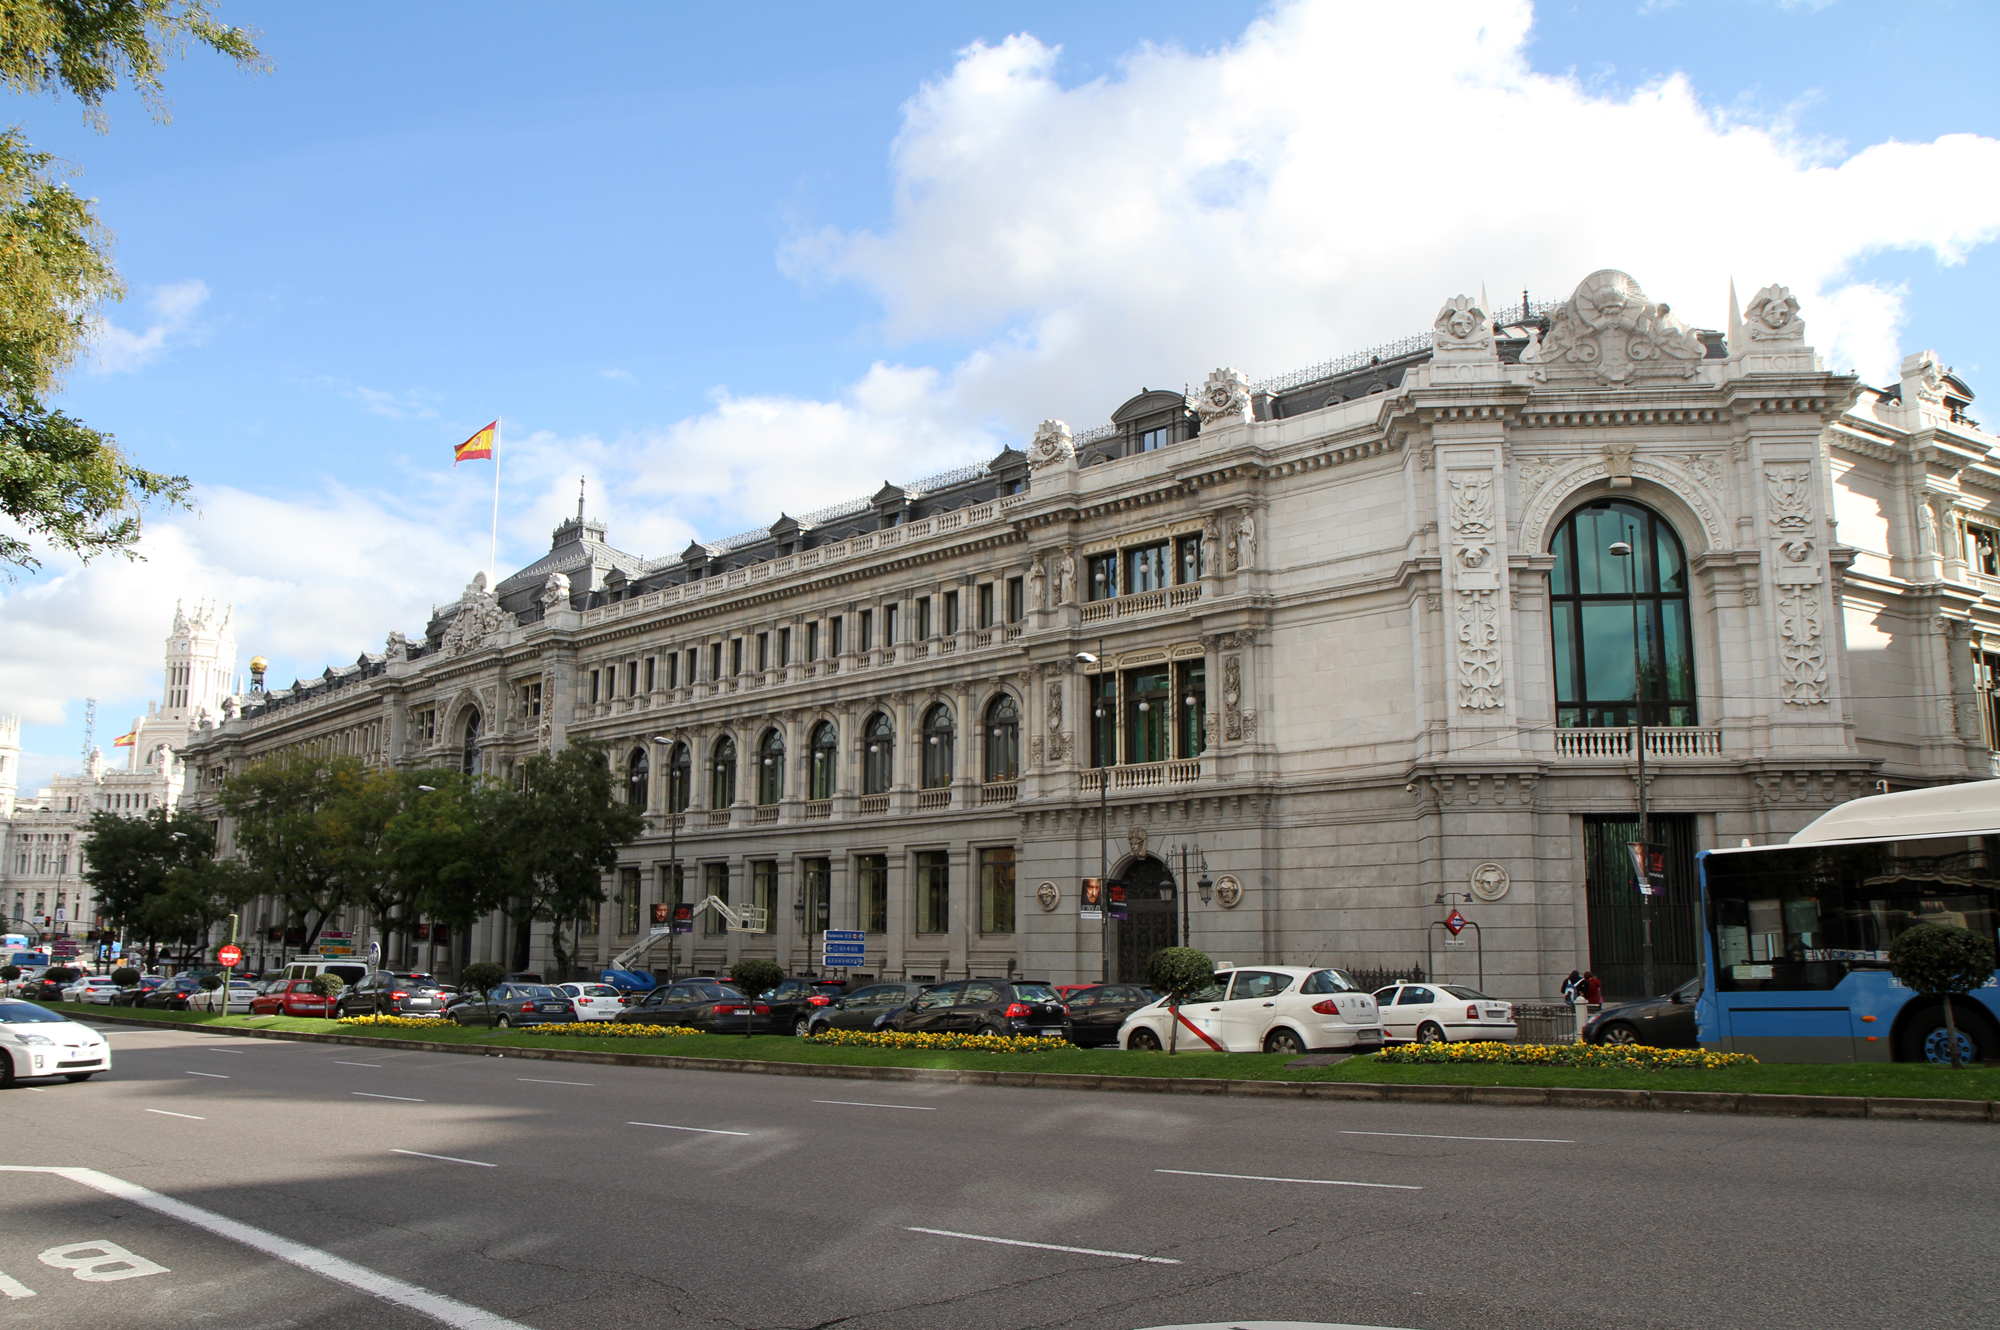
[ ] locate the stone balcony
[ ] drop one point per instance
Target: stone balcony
(1663, 743)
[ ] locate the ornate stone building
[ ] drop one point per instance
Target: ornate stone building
(1366, 640)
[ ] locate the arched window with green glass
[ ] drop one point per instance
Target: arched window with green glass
(1003, 739)
(938, 734)
(771, 767)
(1618, 609)
(825, 746)
(722, 774)
(878, 754)
(638, 778)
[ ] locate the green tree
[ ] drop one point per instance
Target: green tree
(560, 831)
(130, 860)
(444, 852)
(295, 829)
(61, 481)
(1177, 973)
(329, 983)
(482, 977)
(124, 976)
(1942, 961)
(755, 975)
(196, 896)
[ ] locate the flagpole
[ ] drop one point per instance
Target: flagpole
(493, 541)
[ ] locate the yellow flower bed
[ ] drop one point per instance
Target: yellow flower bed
(609, 1030)
(1623, 1057)
(400, 1022)
(976, 1043)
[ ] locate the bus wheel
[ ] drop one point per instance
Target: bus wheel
(1927, 1040)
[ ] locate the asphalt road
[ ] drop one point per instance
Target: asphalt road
(256, 1183)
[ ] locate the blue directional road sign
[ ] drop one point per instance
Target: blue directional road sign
(833, 935)
(854, 949)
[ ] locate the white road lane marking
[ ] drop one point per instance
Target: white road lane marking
(1045, 1246)
(536, 1080)
(449, 1159)
(376, 1065)
(169, 1113)
(400, 1098)
(706, 1131)
(449, 1311)
(852, 1103)
(14, 1288)
(212, 1075)
(1428, 1136)
(1315, 1182)
(222, 1050)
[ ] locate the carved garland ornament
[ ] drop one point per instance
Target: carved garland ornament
(1803, 659)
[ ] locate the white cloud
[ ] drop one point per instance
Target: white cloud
(1325, 181)
(172, 307)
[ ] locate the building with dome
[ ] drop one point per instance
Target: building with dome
(1311, 663)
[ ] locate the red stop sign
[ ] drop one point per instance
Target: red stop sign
(231, 955)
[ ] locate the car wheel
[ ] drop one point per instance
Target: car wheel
(1142, 1040)
(802, 1027)
(987, 1030)
(1618, 1032)
(78, 1075)
(1284, 1041)
(502, 1023)
(6, 1070)
(1430, 1032)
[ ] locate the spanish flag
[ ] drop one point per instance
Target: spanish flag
(479, 445)
(125, 740)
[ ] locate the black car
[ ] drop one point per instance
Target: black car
(130, 996)
(793, 1001)
(702, 1004)
(864, 1008)
(386, 994)
(511, 1005)
(43, 988)
(985, 1006)
(172, 995)
(1095, 1013)
(1661, 1022)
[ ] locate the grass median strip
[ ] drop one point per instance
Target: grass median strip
(1903, 1080)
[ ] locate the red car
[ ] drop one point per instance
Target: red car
(295, 997)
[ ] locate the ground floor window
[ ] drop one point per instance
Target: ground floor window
(715, 882)
(933, 891)
(817, 894)
(871, 877)
(996, 890)
(628, 899)
(672, 883)
(764, 890)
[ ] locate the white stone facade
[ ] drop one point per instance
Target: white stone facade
(1348, 572)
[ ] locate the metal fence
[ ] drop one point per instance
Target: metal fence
(1370, 980)
(1545, 1022)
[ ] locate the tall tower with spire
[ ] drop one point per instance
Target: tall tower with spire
(10, 763)
(199, 673)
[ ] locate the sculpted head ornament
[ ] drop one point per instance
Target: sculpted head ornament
(1773, 315)
(1224, 398)
(1051, 446)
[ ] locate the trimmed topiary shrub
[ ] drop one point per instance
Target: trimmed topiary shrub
(1942, 961)
(125, 976)
(210, 982)
(1176, 973)
(755, 976)
(329, 983)
(481, 977)
(9, 973)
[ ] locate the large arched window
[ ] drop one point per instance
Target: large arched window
(1003, 739)
(771, 766)
(638, 778)
(680, 782)
(469, 751)
(878, 754)
(1606, 628)
(938, 732)
(722, 774)
(825, 752)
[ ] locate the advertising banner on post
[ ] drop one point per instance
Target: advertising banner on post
(1649, 867)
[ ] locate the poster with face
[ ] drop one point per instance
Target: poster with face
(1093, 893)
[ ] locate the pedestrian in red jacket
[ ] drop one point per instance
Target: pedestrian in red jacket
(1593, 989)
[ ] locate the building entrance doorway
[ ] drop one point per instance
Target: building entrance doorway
(1152, 920)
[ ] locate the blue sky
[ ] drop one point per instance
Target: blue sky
(728, 259)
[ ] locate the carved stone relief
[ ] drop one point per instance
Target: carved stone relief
(1788, 490)
(1475, 582)
(1803, 660)
(1773, 316)
(398, 648)
(1478, 652)
(1038, 585)
(1618, 464)
(1704, 469)
(1462, 331)
(1241, 551)
(479, 617)
(1051, 447)
(1609, 332)
(1232, 694)
(1223, 400)
(1534, 470)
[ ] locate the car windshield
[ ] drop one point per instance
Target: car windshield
(1469, 994)
(1035, 993)
(534, 991)
(26, 1013)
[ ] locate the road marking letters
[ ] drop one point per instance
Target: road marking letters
(100, 1262)
(1046, 1246)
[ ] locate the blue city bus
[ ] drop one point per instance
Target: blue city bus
(1796, 937)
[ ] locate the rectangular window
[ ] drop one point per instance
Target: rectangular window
(871, 876)
(985, 604)
(1146, 568)
(650, 673)
(923, 618)
(714, 661)
(1017, 600)
(764, 891)
(1102, 572)
(784, 647)
(951, 614)
(715, 882)
(1188, 565)
(996, 890)
(833, 627)
(672, 883)
(889, 613)
(631, 677)
(735, 656)
(595, 684)
(763, 652)
(1982, 550)
(674, 670)
(933, 891)
(1191, 705)
(1146, 701)
(817, 892)
(1154, 439)
(628, 899)
(1103, 719)
(867, 630)
(812, 641)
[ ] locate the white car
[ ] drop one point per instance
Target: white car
(239, 991)
(1444, 1013)
(96, 988)
(35, 1041)
(1264, 1009)
(592, 1002)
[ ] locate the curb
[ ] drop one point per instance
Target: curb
(1497, 1096)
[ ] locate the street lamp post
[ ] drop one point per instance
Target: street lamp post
(1103, 828)
(1627, 550)
(673, 846)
